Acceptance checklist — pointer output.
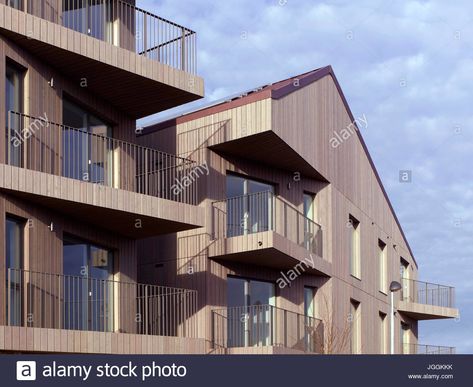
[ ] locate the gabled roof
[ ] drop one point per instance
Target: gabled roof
(273, 90)
(276, 91)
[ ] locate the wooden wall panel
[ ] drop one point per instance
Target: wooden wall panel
(44, 248)
(306, 119)
(27, 340)
(42, 99)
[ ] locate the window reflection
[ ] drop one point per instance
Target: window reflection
(88, 286)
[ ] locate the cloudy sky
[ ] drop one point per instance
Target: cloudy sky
(407, 66)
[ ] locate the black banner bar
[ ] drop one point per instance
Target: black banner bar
(229, 371)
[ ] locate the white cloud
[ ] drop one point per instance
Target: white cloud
(407, 67)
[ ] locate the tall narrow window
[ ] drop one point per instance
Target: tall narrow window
(13, 107)
(355, 318)
(354, 241)
(14, 265)
(383, 267)
(405, 280)
(311, 333)
(310, 227)
(405, 337)
(309, 206)
(309, 301)
(383, 333)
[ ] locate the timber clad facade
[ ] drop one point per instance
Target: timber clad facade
(236, 229)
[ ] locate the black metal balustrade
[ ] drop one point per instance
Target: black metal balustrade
(266, 325)
(122, 24)
(421, 349)
(428, 293)
(38, 144)
(264, 211)
(57, 301)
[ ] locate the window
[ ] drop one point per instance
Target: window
(309, 301)
(405, 280)
(250, 316)
(405, 338)
(310, 227)
(18, 4)
(88, 287)
(309, 206)
(14, 241)
(310, 323)
(354, 241)
(13, 107)
(249, 206)
(383, 333)
(383, 267)
(88, 152)
(355, 318)
(93, 17)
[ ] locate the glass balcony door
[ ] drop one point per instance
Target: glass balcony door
(88, 286)
(249, 206)
(309, 225)
(405, 336)
(250, 313)
(14, 103)
(405, 280)
(18, 4)
(92, 17)
(87, 146)
(14, 261)
(309, 313)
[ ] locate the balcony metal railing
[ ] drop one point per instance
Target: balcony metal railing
(266, 325)
(57, 301)
(40, 145)
(264, 211)
(428, 293)
(122, 24)
(421, 349)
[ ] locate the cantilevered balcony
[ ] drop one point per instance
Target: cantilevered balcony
(264, 230)
(425, 301)
(252, 329)
(92, 314)
(90, 175)
(140, 62)
(422, 349)
(122, 24)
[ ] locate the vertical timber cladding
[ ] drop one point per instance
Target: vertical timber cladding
(191, 139)
(354, 190)
(43, 248)
(306, 120)
(41, 98)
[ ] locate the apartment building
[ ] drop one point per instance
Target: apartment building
(255, 225)
(300, 243)
(77, 191)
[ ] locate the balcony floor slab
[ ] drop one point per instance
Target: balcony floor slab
(44, 340)
(133, 83)
(126, 213)
(426, 312)
(269, 249)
